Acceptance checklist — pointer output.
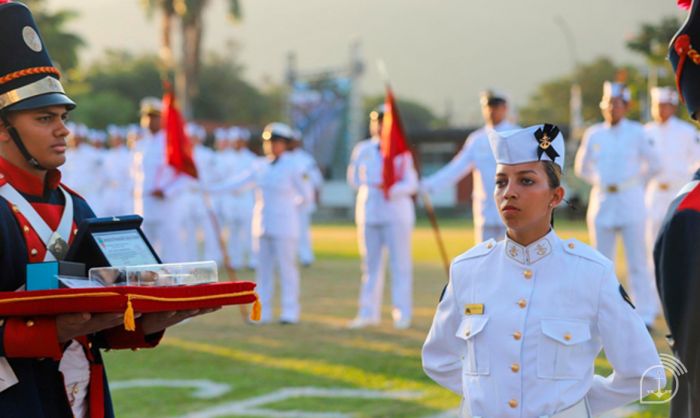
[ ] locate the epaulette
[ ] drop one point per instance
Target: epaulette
(691, 201)
(576, 247)
(478, 250)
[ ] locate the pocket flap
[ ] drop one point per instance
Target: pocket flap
(471, 326)
(567, 331)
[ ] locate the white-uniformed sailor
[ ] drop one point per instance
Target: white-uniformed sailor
(279, 186)
(313, 180)
(677, 147)
(617, 159)
(476, 157)
(522, 320)
(383, 224)
(117, 194)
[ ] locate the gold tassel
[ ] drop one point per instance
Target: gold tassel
(129, 322)
(257, 309)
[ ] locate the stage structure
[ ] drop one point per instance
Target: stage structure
(326, 106)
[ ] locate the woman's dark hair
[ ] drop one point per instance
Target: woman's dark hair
(553, 174)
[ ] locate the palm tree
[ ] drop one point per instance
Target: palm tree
(63, 45)
(190, 13)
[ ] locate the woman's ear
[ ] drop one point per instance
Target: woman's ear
(558, 197)
(4, 133)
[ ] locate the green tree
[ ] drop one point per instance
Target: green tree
(62, 44)
(550, 101)
(190, 13)
(652, 39)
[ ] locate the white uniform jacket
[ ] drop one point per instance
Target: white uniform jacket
(518, 330)
(365, 175)
(475, 155)
(677, 147)
(313, 179)
(617, 161)
(279, 187)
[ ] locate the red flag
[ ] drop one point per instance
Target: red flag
(392, 142)
(178, 148)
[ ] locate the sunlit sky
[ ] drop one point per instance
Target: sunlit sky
(436, 51)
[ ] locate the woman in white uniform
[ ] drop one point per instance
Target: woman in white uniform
(279, 187)
(522, 320)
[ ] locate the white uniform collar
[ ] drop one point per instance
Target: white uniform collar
(533, 252)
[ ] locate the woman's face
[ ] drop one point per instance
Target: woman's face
(524, 197)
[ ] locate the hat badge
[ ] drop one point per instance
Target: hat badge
(31, 38)
(545, 135)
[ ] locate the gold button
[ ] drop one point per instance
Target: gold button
(513, 403)
(567, 336)
(30, 323)
(571, 245)
(517, 335)
(527, 274)
(522, 303)
(26, 228)
(515, 367)
(2, 322)
(34, 251)
(468, 333)
(15, 208)
(489, 245)
(75, 232)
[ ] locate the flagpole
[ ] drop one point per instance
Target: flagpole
(424, 196)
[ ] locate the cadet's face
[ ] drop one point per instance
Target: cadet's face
(274, 148)
(151, 122)
(523, 196)
(375, 127)
(613, 110)
(494, 114)
(43, 132)
(239, 144)
(662, 111)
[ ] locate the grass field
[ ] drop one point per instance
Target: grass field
(317, 368)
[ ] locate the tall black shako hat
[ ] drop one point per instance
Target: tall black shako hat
(28, 79)
(684, 53)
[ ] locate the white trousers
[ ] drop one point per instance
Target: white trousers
(486, 232)
(374, 240)
(306, 252)
(240, 242)
(280, 254)
(641, 280)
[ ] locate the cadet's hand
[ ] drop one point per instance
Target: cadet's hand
(69, 326)
(158, 194)
(158, 321)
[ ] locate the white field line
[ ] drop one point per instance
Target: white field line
(252, 406)
(204, 389)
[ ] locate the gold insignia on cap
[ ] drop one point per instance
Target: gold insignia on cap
(545, 142)
(474, 309)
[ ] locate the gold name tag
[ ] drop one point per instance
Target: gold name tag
(474, 309)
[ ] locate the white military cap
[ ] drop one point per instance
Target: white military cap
(236, 133)
(81, 130)
(664, 95)
(220, 134)
(277, 130)
(194, 130)
(491, 97)
(151, 106)
(612, 90)
(534, 143)
(114, 130)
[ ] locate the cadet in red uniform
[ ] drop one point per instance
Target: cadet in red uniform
(676, 252)
(49, 366)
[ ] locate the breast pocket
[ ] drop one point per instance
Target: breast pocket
(563, 351)
(475, 360)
